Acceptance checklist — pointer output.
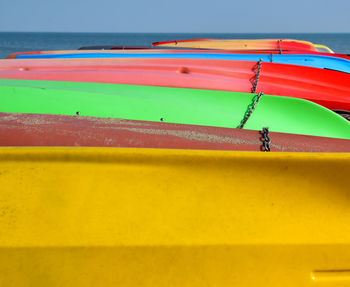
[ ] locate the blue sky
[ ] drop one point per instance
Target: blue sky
(218, 16)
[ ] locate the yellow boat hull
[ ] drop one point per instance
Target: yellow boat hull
(323, 48)
(234, 44)
(143, 217)
(241, 44)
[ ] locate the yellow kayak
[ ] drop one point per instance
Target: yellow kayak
(242, 44)
(323, 49)
(319, 47)
(144, 217)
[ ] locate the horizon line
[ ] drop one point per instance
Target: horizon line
(175, 32)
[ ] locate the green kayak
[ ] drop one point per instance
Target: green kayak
(173, 105)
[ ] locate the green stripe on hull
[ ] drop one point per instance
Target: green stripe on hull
(173, 105)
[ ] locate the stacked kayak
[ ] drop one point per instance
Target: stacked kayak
(325, 87)
(117, 49)
(116, 216)
(173, 105)
(317, 61)
(196, 162)
(24, 129)
(237, 44)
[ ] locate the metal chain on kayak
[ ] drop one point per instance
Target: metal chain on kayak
(257, 76)
(279, 46)
(266, 139)
(251, 109)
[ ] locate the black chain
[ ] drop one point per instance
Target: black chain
(267, 140)
(250, 110)
(257, 76)
(279, 46)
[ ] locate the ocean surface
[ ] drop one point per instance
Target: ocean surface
(20, 42)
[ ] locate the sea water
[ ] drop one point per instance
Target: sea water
(11, 42)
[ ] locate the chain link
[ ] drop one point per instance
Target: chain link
(251, 109)
(267, 140)
(279, 46)
(257, 76)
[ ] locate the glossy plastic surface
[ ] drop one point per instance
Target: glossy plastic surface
(325, 87)
(174, 105)
(164, 50)
(134, 217)
(317, 61)
(240, 44)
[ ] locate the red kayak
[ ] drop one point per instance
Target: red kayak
(53, 130)
(325, 87)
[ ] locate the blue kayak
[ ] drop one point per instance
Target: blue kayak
(316, 61)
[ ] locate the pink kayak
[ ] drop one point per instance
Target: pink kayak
(326, 87)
